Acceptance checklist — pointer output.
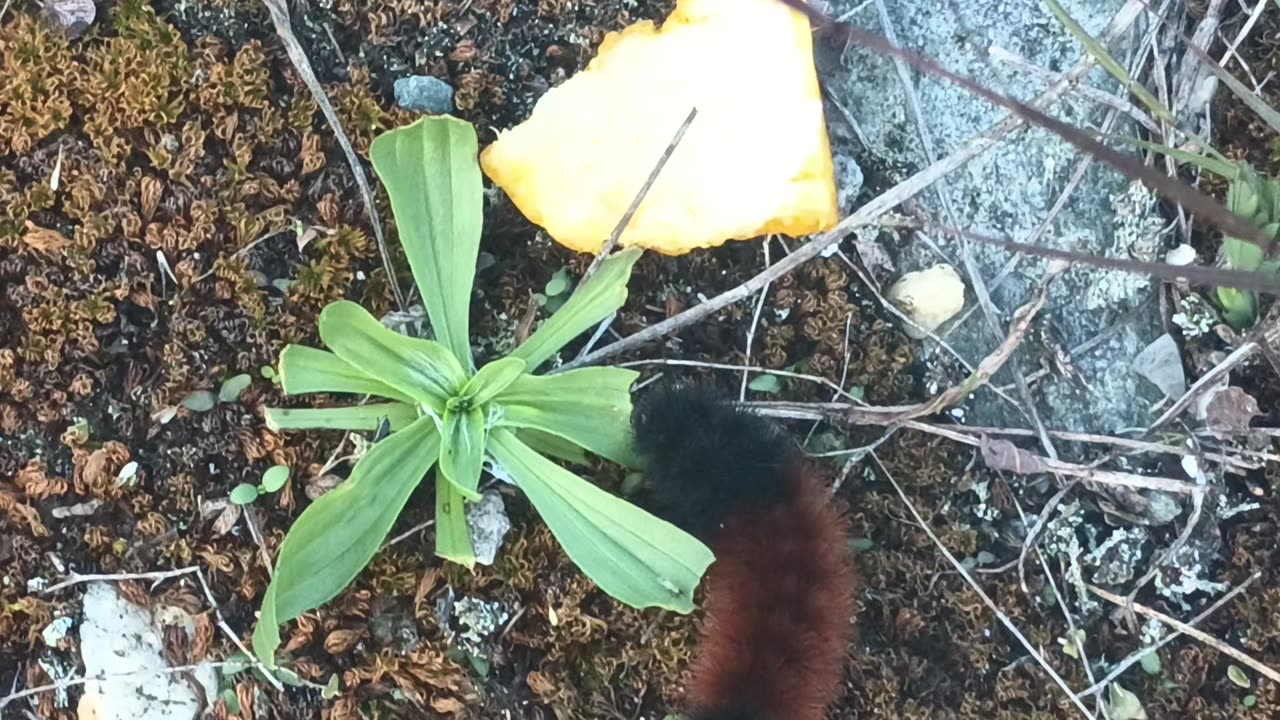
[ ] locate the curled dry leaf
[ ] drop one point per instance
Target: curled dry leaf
(227, 519)
(321, 485)
(44, 240)
(1227, 409)
(1004, 455)
(341, 641)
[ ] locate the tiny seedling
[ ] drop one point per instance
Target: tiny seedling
(1256, 199)
(444, 413)
(272, 481)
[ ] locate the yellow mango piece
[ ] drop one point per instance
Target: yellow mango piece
(756, 159)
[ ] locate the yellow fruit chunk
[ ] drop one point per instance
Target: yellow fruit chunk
(756, 159)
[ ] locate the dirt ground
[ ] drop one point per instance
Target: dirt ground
(181, 135)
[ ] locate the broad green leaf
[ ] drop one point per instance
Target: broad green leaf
(462, 450)
(590, 407)
(1124, 705)
(306, 370)
(597, 298)
(493, 379)
(336, 536)
(766, 383)
(633, 556)
(453, 539)
(422, 369)
(354, 417)
(553, 445)
(431, 171)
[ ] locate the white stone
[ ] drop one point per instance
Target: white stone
(124, 644)
(929, 297)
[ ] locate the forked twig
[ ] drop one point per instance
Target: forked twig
(1185, 628)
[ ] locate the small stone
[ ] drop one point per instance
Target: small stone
(424, 94)
(488, 524)
(71, 17)
(929, 297)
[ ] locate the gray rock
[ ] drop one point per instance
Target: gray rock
(424, 94)
(487, 521)
(1009, 190)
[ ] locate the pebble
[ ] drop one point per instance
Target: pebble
(424, 94)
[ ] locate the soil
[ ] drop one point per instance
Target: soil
(166, 260)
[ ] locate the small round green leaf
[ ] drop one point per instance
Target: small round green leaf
(766, 383)
(232, 387)
(331, 688)
(1151, 663)
(275, 477)
(243, 494)
(558, 283)
(1249, 700)
(200, 401)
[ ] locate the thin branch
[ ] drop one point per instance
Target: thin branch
(1185, 628)
(639, 198)
(986, 599)
(141, 675)
(158, 576)
(1137, 655)
(284, 28)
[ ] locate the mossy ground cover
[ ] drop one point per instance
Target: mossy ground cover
(165, 258)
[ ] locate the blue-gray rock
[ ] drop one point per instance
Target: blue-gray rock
(424, 94)
(1008, 191)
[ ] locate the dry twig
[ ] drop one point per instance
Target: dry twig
(1185, 628)
(284, 28)
(986, 599)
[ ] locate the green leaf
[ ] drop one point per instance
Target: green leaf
(243, 494)
(275, 477)
(422, 369)
(1239, 307)
(493, 379)
(1249, 701)
(432, 174)
(453, 539)
(200, 401)
(1124, 705)
(590, 407)
(462, 450)
(600, 296)
(558, 283)
(366, 418)
(306, 370)
(1237, 676)
(1209, 163)
(633, 556)
(553, 445)
(1151, 663)
(232, 387)
(336, 536)
(331, 688)
(766, 383)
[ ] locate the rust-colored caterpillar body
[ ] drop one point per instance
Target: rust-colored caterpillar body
(780, 595)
